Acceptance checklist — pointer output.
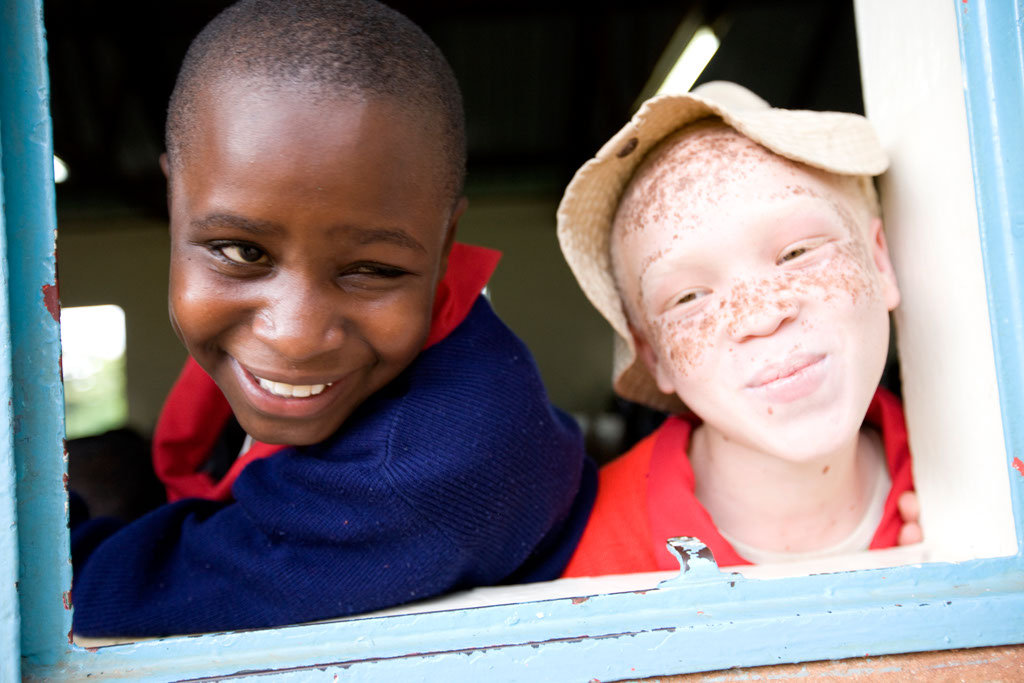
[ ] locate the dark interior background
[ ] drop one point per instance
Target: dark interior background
(544, 83)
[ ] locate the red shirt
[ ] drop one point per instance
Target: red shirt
(647, 496)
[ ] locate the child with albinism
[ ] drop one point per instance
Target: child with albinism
(738, 253)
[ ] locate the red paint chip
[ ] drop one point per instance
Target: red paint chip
(1019, 466)
(52, 301)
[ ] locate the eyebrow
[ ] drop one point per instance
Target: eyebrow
(363, 236)
(394, 236)
(840, 211)
(230, 220)
(650, 261)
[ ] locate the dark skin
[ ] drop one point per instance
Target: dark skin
(308, 236)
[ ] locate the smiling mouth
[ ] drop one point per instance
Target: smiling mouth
(792, 380)
(784, 371)
(284, 400)
(291, 390)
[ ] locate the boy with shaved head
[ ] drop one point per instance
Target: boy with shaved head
(354, 428)
(738, 253)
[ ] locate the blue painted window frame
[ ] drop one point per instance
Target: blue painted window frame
(703, 621)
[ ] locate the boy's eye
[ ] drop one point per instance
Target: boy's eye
(791, 254)
(811, 248)
(243, 253)
(375, 270)
(690, 296)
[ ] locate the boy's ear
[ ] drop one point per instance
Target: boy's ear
(880, 254)
(649, 358)
(449, 238)
(453, 223)
(165, 166)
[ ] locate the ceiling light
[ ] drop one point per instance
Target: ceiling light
(688, 68)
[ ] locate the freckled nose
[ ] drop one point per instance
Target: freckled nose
(760, 310)
(298, 323)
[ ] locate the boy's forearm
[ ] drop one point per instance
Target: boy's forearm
(197, 566)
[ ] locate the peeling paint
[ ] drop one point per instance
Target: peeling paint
(51, 300)
(1019, 466)
(579, 601)
(67, 599)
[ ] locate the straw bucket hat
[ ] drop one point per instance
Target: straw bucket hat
(841, 143)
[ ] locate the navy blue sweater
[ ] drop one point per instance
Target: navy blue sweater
(458, 473)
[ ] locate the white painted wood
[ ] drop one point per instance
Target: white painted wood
(913, 93)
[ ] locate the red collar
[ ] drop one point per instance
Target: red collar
(195, 411)
(672, 507)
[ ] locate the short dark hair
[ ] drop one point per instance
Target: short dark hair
(346, 47)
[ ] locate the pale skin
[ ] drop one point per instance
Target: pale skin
(759, 291)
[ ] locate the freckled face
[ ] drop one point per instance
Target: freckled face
(760, 291)
(307, 239)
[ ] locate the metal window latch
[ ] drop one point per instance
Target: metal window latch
(696, 562)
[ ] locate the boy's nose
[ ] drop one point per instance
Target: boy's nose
(298, 324)
(763, 314)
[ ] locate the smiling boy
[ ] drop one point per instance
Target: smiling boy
(305, 252)
(738, 253)
(355, 428)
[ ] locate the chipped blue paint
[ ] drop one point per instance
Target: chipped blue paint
(716, 623)
(702, 620)
(10, 619)
(37, 420)
(993, 59)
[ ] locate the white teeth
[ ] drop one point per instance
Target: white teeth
(292, 390)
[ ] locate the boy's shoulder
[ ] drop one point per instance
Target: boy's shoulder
(885, 413)
(481, 377)
(481, 338)
(618, 539)
(477, 397)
